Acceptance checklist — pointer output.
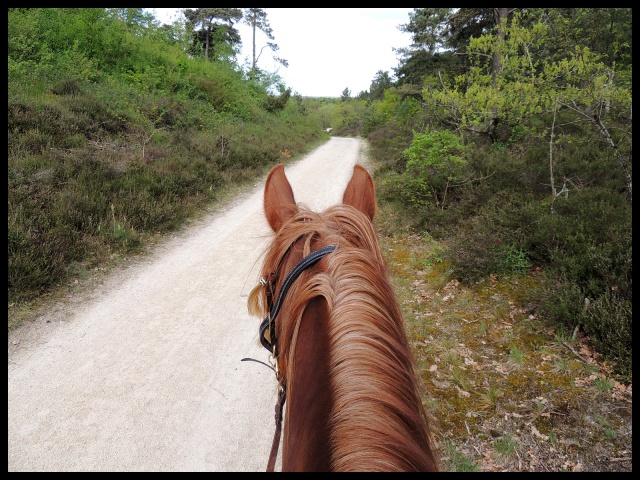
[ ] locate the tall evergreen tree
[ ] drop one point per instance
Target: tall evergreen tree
(440, 38)
(210, 23)
(256, 18)
(381, 82)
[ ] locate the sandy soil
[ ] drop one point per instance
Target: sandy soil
(144, 374)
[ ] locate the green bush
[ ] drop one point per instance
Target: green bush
(435, 164)
(511, 259)
(608, 322)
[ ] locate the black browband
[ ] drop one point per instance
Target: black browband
(269, 321)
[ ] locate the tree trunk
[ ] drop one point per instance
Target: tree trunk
(206, 45)
(253, 63)
(496, 65)
(498, 15)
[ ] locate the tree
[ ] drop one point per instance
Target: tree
(440, 38)
(529, 89)
(346, 94)
(214, 24)
(606, 31)
(426, 27)
(256, 18)
(381, 82)
(435, 164)
(136, 19)
(275, 103)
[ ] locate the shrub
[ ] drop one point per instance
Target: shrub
(608, 322)
(435, 163)
(67, 86)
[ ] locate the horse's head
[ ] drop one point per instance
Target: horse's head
(299, 232)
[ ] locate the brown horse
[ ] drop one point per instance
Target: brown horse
(352, 399)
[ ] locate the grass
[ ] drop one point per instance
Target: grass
(603, 385)
(516, 356)
(505, 446)
(64, 235)
(456, 461)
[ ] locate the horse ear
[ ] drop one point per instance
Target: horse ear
(360, 192)
(279, 204)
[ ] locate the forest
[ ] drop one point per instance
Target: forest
(504, 135)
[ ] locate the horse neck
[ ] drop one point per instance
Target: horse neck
(378, 422)
(350, 375)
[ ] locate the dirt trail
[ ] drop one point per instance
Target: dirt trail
(146, 374)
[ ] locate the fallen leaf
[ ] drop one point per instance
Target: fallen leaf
(463, 393)
(469, 361)
(536, 433)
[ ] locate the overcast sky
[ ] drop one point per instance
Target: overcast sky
(328, 49)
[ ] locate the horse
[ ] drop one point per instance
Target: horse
(336, 332)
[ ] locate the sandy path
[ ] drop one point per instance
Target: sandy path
(146, 375)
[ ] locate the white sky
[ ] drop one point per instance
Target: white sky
(328, 49)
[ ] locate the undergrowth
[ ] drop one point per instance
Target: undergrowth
(507, 391)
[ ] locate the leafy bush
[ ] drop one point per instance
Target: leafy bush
(511, 259)
(277, 103)
(608, 322)
(435, 163)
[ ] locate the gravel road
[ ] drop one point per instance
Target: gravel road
(145, 373)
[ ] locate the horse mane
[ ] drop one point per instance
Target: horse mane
(377, 420)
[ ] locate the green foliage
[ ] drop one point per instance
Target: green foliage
(456, 461)
(435, 163)
(603, 30)
(504, 225)
(119, 232)
(438, 37)
(115, 134)
(393, 107)
(213, 34)
(608, 321)
(603, 385)
(381, 82)
(550, 73)
(106, 109)
(512, 259)
(346, 117)
(436, 154)
(276, 103)
(516, 356)
(506, 445)
(527, 85)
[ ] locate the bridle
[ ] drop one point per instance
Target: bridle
(267, 327)
(268, 335)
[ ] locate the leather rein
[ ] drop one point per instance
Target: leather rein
(268, 339)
